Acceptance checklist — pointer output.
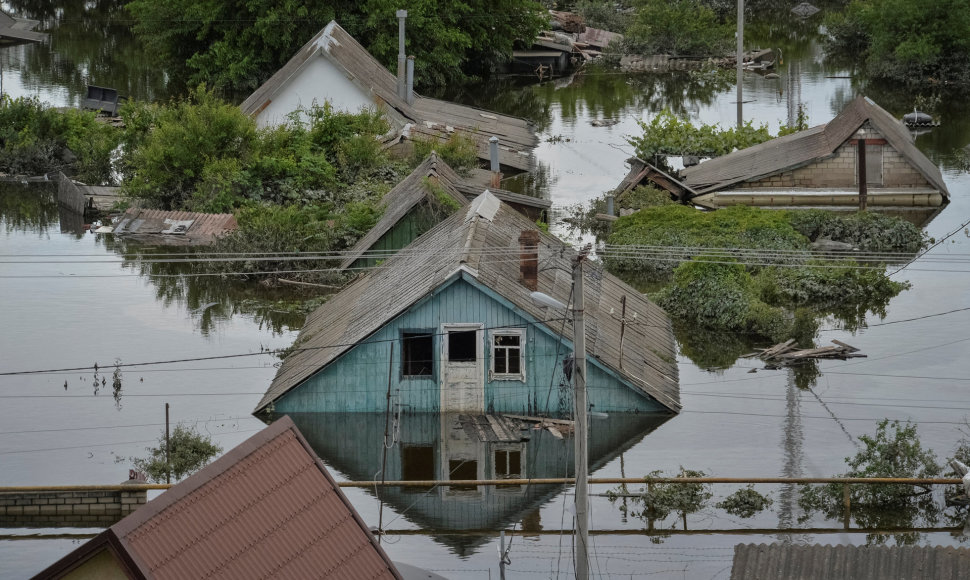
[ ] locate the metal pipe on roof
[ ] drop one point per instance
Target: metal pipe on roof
(401, 58)
(410, 81)
(496, 181)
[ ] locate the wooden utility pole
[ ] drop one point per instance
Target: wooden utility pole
(581, 455)
(740, 35)
(387, 435)
(168, 459)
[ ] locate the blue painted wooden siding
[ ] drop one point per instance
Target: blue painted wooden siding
(357, 381)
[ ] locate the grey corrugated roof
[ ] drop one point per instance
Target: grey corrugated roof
(482, 242)
(267, 508)
(402, 199)
(798, 149)
(177, 227)
(430, 118)
(795, 562)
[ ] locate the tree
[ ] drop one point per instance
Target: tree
(679, 27)
(914, 42)
(189, 451)
(235, 45)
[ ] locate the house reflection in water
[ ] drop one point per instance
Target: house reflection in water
(451, 447)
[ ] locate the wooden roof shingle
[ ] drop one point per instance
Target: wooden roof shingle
(481, 242)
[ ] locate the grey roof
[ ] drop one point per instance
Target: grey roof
(404, 197)
(798, 149)
(815, 562)
(481, 242)
(429, 118)
(174, 227)
(18, 30)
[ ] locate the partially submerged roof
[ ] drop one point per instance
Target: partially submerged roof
(174, 227)
(425, 118)
(266, 508)
(481, 244)
(804, 147)
(815, 562)
(18, 30)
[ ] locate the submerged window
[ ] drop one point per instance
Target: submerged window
(417, 462)
(417, 358)
(462, 469)
(507, 360)
(508, 465)
(461, 346)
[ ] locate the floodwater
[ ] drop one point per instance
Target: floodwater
(71, 299)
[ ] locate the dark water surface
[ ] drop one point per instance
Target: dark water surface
(72, 299)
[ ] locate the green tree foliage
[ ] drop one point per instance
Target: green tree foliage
(679, 27)
(659, 500)
(202, 154)
(459, 152)
(235, 45)
(745, 502)
(913, 42)
(668, 134)
(37, 139)
(189, 451)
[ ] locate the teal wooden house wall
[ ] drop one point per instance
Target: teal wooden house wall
(358, 380)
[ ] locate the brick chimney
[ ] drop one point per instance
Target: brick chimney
(529, 259)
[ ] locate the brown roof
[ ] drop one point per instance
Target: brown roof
(477, 243)
(798, 149)
(795, 562)
(267, 508)
(429, 118)
(174, 226)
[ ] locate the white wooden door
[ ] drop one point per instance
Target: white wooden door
(462, 369)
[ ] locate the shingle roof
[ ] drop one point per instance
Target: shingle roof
(18, 30)
(480, 242)
(267, 508)
(804, 147)
(430, 118)
(795, 562)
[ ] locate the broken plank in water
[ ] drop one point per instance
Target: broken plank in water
(844, 345)
(778, 348)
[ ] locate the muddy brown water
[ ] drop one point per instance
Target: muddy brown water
(71, 299)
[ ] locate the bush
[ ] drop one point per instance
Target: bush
(745, 502)
(189, 451)
(661, 499)
(668, 134)
(679, 27)
(459, 152)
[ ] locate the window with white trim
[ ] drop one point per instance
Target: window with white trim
(508, 354)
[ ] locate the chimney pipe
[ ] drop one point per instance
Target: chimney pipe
(410, 81)
(529, 259)
(496, 181)
(401, 59)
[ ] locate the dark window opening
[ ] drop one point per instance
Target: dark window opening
(417, 359)
(508, 465)
(417, 463)
(508, 354)
(461, 346)
(462, 469)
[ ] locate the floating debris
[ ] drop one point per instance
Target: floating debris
(786, 353)
(804, 10)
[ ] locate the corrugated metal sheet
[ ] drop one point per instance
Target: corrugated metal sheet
(804, 147)
(429, 118)
(794, 562)
(639, 348)
(175, 227)
(266, 509)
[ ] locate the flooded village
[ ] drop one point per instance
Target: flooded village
(367, 318)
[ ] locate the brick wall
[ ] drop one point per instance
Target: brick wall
(68, 508)
(839, 171)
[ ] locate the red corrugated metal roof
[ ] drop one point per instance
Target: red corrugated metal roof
(268, 508)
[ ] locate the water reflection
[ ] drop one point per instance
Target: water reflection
(458, 447)
(28, 208)
(89, 43)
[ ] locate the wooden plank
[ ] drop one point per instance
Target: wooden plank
(540, 419)
(847, 346)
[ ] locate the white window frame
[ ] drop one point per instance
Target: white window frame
(519, 376)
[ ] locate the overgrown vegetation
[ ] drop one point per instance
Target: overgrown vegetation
(209, 43)
(916, 43)
(189, 451)
(775, 298)
(658, 500)
(680, 28)
(36, 139)
(745, 502)
(459, 152)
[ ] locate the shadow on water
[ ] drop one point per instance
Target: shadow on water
(442, 447)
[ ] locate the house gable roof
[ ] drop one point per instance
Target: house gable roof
(267, 507)
(426, 118)
(804, 147)
(482, 241)
(18, 30)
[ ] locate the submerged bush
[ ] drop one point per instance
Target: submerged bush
(745, 502)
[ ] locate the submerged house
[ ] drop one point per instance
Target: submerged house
(451, 326)
(173, 227)
(334, 67)
(450, 448)
(267, 508)
(421, 200)
(817, 167)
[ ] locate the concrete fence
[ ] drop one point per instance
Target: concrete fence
(90, 508)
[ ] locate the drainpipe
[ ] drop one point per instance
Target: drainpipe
(496, 181)
(401, 59)
(410, 81)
